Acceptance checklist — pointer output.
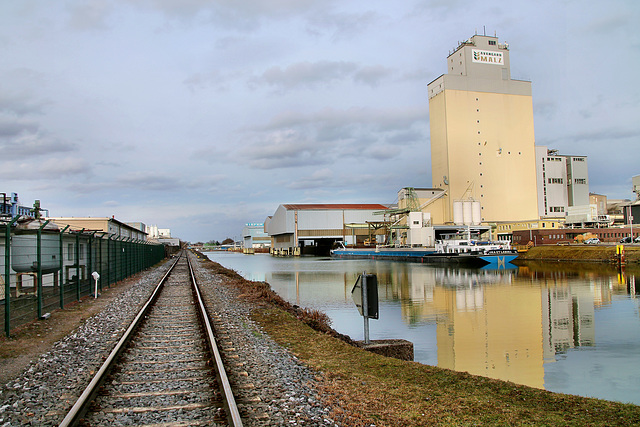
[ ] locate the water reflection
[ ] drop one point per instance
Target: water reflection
(549, 326)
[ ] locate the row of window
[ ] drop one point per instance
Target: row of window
(601, 235)
(526, 225)
(556, 209)
(559, 159)
(555, 236)
(617, 235)
(561, 180)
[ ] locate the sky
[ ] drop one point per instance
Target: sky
(203, 115)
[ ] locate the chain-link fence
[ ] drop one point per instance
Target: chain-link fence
(42, 269)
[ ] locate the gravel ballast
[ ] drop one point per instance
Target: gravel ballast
(272, 388)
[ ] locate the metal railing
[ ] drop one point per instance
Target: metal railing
(43, 270)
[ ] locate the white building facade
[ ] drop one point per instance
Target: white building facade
(320, 225)
(563, 182)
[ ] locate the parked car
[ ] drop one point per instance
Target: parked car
(592, 241)
(626, 240)
(637, 240)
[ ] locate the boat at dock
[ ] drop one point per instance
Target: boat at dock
(465, 252)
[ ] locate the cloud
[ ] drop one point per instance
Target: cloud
(606, 24)
(341, 25)
(283, 149)
(49, 169)
(217, 79)
(90, 15)
(16, 87)
(306, 75)
(382, 152)
(148, 181)
(545, 108)
(321, 178)
(295, 139)
(12, 126)
(610, 135)
(381, 119)
(162, 180)
(246, 15)
(373, 75)
(24, 143)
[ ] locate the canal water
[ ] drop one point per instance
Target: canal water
(564, 328)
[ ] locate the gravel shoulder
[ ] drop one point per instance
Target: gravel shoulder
(47, 364)
(28, 342)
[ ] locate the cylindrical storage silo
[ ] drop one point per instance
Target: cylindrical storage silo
(24, 247)
(457, 212)
(476, 212)
(466, 212)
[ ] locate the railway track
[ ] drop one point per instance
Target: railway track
(166, 369)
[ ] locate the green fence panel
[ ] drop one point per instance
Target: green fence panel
(43, 270)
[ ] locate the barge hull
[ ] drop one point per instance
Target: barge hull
(428, 257)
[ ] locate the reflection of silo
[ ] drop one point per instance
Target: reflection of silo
(458, 218)
(476, 212)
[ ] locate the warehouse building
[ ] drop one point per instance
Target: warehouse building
(254, 236)
(106, 225)
(314, 228)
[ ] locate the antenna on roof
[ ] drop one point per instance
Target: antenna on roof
(484, 28)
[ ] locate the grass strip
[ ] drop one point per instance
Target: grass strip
(370, 389)
(592, 253)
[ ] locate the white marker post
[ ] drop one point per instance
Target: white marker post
(96, 277)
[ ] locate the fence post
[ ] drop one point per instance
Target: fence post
(129, 257)
(109, 262)
(39, 270)
(118, 258)
(77, 264)
(62, 268)
(99, 260)
(90, 260)
(7, 277)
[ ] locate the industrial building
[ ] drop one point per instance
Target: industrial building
(254, 236)
(157, 233)
(106, 225)
(563, 182)
(314, 228)
(482, 134)
(10, 206)
(506, 230)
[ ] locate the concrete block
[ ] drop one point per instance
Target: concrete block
(399, 349)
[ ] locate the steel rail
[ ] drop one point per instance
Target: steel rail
(231, 408)
(78, 410)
